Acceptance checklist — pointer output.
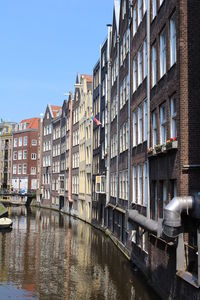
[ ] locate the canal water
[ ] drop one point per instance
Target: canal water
(52, 256)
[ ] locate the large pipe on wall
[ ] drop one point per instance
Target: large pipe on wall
(172, 222)
(144, 222)
(172, 214)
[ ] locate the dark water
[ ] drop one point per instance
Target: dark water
(51, 256)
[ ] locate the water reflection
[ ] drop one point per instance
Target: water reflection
(52, 256)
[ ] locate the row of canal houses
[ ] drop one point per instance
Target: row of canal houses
(126, 142)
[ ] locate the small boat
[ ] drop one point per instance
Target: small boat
(5, 223)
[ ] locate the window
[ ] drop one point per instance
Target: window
(24, 168)
(163, 124)
(33, 156)
(172, 40)
(144, 6)
(20, 141)
(15, 155)
(134, 185)
(139, 124)
(145, 120)
(33, 171)
(34, 142)
(154, 8)
(140, 184)
(154, 65)
(100, 184)
(19, 169)
(124, 9)
(162, 53)
(139, 67)
(15, 142)
(145, 58)
(154, 128)
(123, 185)
(25, 140)
(139, 11)
(19, 154)
(161, 1)
(134, 74)
(173, 117)
(14, 169)
(134, 20)
(164, 193)
(134, 129)
(145, 202)
(103, 88)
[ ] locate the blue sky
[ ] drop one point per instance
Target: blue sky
(44, 43)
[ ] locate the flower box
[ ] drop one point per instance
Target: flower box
(172, 145)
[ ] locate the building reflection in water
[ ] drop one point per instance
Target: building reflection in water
(54, 256)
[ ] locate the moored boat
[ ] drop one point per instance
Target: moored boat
(5, 222)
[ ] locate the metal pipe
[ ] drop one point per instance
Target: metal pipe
(172, 214)
(143, 221)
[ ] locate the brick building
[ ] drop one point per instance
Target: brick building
(6, 149)
(25, 150)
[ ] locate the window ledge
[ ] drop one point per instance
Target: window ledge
(188, 277)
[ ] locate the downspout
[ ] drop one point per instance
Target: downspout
(117, 159)
(109, 119)
(148, 101)
(129, 103)
(70, 149)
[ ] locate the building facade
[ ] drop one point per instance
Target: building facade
(85, 148)
(6, 150)
(24, 160)
(52, 112)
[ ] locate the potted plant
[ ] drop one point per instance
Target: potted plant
(158, 148)
(150, 151)
(172, 143)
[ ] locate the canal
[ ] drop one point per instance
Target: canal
(52, 256)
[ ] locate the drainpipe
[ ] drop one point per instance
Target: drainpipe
(109, 118)
(129, 103)
(148, 100)
(117, 159)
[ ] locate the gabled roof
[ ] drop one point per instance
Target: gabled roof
(32, 123)
(87, 77)
(54, 110)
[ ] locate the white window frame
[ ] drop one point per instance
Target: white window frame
(134, 75)
(163, 52)
(173, 114)
(139, 12)
(134, 20)
(140, 127)
(145, 59)
(33, 156)
(139, 67)
(134, 129)
(134, 196)
(154, 128)
(163, 123)
(154, 8)
(24, 169)
(20, 141)
(154, 65)
(172, 40)
(145, 120)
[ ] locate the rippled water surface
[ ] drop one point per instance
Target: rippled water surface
(51, 256)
